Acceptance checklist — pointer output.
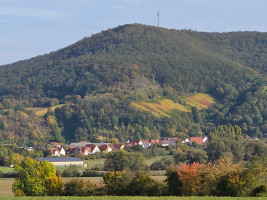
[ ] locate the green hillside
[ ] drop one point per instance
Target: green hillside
(100, 76)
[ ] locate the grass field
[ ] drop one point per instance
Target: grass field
(161, 109)
(93, 162)
(149, 162)
(6, 169)
(135, 198)
(40, 111)
(200, 101)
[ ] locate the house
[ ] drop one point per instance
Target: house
(93, 148)
(118, 146)
(186, 141)
(88, 149)
(54, 144)
(106, 148)
(154, 141)
(80, 144)
(198, 140)
(146, 143)
(80, 151)
(168, 142)
(29, 148)
(85, 143)
(57, 151)
(138, 142)
(63, 161)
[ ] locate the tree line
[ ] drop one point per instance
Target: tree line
(218, 178)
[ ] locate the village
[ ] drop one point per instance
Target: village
(86, 148)
(67, 155)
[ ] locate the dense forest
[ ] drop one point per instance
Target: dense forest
(96, 80)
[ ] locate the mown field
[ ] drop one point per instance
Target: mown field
(137, 198)
(6, 169)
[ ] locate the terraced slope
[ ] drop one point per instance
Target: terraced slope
(200, 101)
(161, 109)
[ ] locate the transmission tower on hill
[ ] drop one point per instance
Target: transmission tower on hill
(158, 17)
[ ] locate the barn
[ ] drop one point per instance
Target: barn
(63, 161)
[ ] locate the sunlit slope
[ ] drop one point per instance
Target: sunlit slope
(161, 109)
(165, 107)
(200, 101)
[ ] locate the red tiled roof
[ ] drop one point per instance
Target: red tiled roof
(198, 140)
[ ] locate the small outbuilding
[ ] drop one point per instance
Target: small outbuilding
(63, 161)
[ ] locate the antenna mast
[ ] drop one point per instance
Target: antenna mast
(158, 17)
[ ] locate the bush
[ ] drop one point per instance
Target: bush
(158, 165)
(79, 188)
(117, 183)
(144, 185)
(260, 191)
(162, 164)
(92, 173)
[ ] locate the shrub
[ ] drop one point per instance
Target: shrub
(91, 173)
(144, 185)
(260, 191)
(79, 188)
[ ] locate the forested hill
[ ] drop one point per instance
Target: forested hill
(187, 61)
(143, 62)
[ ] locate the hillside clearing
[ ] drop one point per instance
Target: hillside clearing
(40, 111)
(161, 109)
(200, 101)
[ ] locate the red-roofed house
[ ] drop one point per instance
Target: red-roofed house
(198, 140)
(57, 151)
(105, 148)
(53, 145)
(118, 146)
(94, 148)
(154, 141)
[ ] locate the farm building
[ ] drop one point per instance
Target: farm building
(63, 161)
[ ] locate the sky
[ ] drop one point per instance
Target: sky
(35, 27)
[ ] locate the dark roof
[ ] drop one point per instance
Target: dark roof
(59, 159)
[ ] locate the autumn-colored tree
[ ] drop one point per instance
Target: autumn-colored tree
(190, 177)
(212, 172)
(36, 179)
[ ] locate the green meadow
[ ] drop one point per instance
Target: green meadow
(136, 198)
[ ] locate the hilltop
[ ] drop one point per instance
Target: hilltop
(99, 77)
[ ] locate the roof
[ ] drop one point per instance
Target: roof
(59, 159)
(84, 143)
(198, 140)
(118, 146)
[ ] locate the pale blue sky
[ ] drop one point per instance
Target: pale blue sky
(34, 27)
